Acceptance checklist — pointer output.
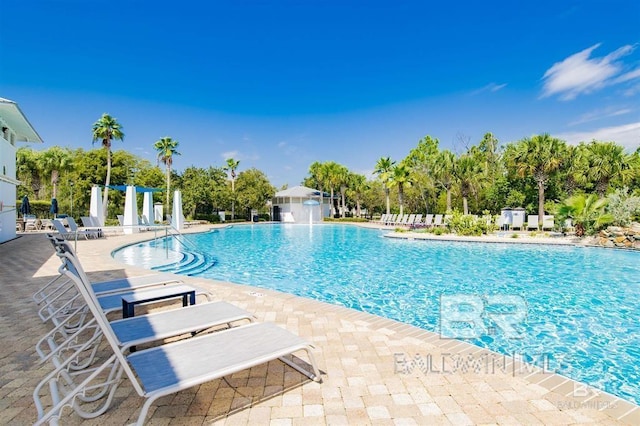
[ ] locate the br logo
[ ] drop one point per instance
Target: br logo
(464, 316)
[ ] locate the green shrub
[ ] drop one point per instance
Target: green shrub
(346, 219)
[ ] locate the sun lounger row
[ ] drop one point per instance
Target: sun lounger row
(221, 339)
(439, 220)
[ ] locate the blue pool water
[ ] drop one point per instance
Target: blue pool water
(582, 304)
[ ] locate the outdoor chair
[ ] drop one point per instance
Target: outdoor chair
(437, 220)
(73, 227)
(137, 330)
(532, 222)
(165, 369)
(548, 222)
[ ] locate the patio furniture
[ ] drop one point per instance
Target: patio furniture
(160, 370)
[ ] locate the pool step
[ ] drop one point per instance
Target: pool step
(190, 264)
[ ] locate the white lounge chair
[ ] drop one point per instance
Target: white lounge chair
(87, 233)
(169, 368)
(548, 222)
(532, 222)
(437, 220)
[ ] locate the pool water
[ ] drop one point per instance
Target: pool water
(582, 304)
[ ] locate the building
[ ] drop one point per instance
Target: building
(15, 128)
(300, 204)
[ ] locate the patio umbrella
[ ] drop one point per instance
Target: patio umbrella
(25, 207)
(54, 207)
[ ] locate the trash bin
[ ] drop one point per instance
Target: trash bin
(255, 218)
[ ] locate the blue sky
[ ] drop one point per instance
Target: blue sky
(278, 85)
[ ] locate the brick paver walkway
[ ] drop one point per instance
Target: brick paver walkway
(377, 371)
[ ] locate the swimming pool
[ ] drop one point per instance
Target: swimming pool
(582, 304)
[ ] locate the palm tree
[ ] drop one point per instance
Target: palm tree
(401, 177)
(317, 180)
(167, 148)
(539, 157)
(443, 171)
(342, 176)
(232, 166)
(105, 130)
(56, 160)
(333, 175)
(384, 170)
(29, 168)
(587, 212)
(606, 161)
(357, 187)
(468, 175)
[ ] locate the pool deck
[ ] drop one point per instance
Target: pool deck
(376, 371)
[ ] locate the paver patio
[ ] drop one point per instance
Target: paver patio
(377, 371)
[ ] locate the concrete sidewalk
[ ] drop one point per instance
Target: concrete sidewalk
(378, 371)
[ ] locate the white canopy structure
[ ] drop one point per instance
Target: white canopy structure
(95, 207)
(130, 221)
(177, 219)
(147, 207)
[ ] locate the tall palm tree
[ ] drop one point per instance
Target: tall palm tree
(56, 160)
(342, 176)
(357, 187)
(607, 160)
(333, 174)
(384, 170)
(468, 175)
(401, 177)
(167, 148)
(539, 157)
(105, 130)
(443, 171)
(232, 166)
(317, 180)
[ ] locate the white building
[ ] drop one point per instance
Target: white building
(300, 204)
(14, 128)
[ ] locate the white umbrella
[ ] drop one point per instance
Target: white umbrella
(95, 208)
(147, 207)
(177, 219)
(130, 222)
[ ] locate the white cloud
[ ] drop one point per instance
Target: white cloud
(580, 74)
(230, 154)
(282, 144)
(491, 87)
(627, 135)
(599, 114)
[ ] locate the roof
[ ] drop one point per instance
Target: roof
(300, 191)
(16, 120)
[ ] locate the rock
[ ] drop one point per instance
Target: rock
(604, 234)
(614, 229)
(636, 245)
(628, 243)
(619, 244)
(609, 243)
(636, 237)
(620, 239)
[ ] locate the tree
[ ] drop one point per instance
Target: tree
(607, 160)
(105, 130)
(444, 172)
(469, 176)
(254, 189)
(342, 177)
(29, 171)
(333, 177)
(587, 213)
(401, 177)
(167, 148)
(539, 157)
(232, 166)
(357, 187)
(421, 160)
(384, 170)
(54, 161)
